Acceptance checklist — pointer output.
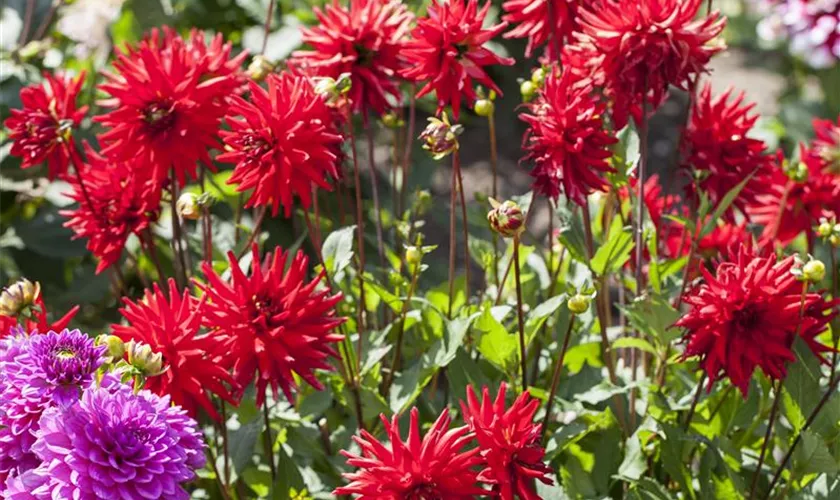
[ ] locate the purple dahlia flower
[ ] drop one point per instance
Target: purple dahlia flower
(38, 372)
(114, 443)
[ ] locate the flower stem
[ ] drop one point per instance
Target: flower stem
(555, 377)
(389, 377)
(835, 284)
(409, 140)
(374, 183)
(456, 163)
(694, 402)
(360, 240)
(452, 203)
(268, 443)
(267, 26)
(225, 448)
(494, 164)
(254, 234)
(519, 314)
(147, 241)
(767, 435)
(177, 241)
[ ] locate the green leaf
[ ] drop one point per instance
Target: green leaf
(634, 464)
(648, 489)
(538, 316)
(723, 206)
(496, 344)
(46, 235)
(258, 480)
(572, 233)
(634, 343)
(671, 449)
(813, 456)
(654, 316)
(615, 252)
(288, 475)
(242, 442)
(587, 353)
(337, 251)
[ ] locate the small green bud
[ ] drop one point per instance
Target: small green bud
(834, 239)
(146, 361)
(579, 303)
(188, 206)
(260, 68)
(343, 83)
(825, 229)
(114, 345)
(392, 121)
(813, 271)
(798, 172)
(528, 90)
(538, 77)
(484, 107)
(413, 256)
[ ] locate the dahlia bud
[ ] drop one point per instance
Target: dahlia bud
(579, 303)
(422, 202)
(825, 229)
(528, 90)
(440, 137)
(484, 107)
(506, 218)
(413, 256)
(260, 68)
(142, 358)
(813, 271)
(797, 173)
(343, 83)
(538, 76)
(188, 206)
(834, 239)
(392, 121)
(16, 297)
(114, 345)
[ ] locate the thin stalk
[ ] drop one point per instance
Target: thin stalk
(360, 241)
(694, 402)
(835, 284)
(237, 217)
(555, 377)
(519, 314)
(775, 408)
(452, 203)
(409, 140)
(268, 443)
(395, 206)
(225, 448)
(456, 163)
(640, 227)
(148, 244)
(374, 183)
(42, 28)
(317, 209)
(494, 164)
(177, 241)
(828, 393)
(389, 377)
(222, 486)
(254, 233)
(27, 22)
(502, 283)
(267, 27)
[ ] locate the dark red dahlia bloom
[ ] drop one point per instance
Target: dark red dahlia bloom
(285, 142)
(429, 468)
(115, 202)
(716, 147)
(277, 324)
(825, 149)
(746, 315)
(167, 103)
(508, 443)
(647, 45)
(566, 139)
(43, 129)
(194, 366)
(539, 20)
(447, 51)
(367, 40)
(37, 321)
(788, 207)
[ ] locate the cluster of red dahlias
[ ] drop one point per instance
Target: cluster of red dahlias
(506, 454)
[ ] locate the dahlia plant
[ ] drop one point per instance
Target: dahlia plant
(256, 250)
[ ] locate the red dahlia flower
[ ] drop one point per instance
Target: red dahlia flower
(508, 443)
(366, 40)
(746, 315)
(428, 468)
(535, 22)
(43, 129)
(167, 106)
(789, 207)
(716, 146)
(447, 49)
(37, 320)
(647, 45)
(825, 149)
(215, 59)
(566, 139)
(115, 202)
(285, 142)
(193, 365)
(277, 325)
